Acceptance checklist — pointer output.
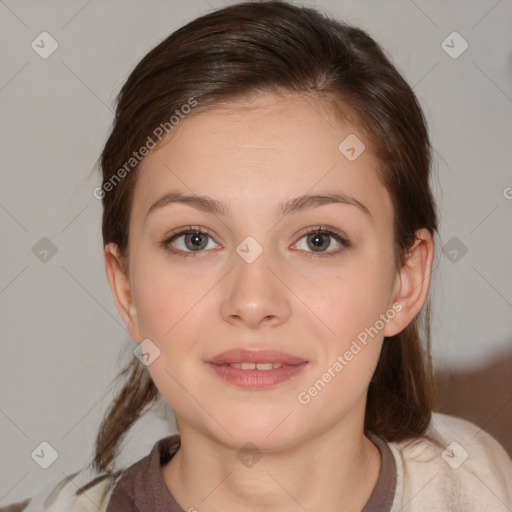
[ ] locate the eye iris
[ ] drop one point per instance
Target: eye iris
(319, 241)
(195, 241)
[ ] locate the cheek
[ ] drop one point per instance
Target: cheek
(170, 313)
(350, 299)
(347, 357)
(164, 298)
(351, 304)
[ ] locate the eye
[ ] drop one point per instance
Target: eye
(323, 242)
(318, 242)
(189, 240)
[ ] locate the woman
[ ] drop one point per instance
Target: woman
(269, 235)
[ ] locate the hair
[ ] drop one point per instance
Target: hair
(274, 47)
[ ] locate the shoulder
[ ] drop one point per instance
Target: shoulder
(87, 490)
(456, 466)
(83, 491)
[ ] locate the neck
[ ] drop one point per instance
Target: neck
(337, 469)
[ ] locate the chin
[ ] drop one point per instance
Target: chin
(269, 436)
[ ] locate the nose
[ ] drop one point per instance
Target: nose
(255, 296)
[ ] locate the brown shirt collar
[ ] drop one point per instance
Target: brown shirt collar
(142, 488)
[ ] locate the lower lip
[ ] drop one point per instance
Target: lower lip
(257, 379)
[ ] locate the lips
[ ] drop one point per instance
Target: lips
(256, 369)
(255, 356)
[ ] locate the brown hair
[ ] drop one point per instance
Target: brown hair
(274, 46)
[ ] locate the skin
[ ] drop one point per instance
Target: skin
(251, 157)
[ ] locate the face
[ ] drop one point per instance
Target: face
(315, 281)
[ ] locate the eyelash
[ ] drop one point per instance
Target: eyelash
(345, 243)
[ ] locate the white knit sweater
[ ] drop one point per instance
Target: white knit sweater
(472, 474)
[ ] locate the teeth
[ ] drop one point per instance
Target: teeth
(258, 366)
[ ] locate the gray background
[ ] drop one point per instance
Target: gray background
(62, 339)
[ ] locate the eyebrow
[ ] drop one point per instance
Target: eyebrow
(297, 204)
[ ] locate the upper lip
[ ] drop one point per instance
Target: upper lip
(240, 355)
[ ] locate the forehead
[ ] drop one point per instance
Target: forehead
(261, 152)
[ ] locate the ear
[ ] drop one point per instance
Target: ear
(119, 282)
(412, 283)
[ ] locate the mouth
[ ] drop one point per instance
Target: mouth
(251, 359)
(259, 369)
(257, 366)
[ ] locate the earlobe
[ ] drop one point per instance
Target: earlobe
(413, 282)
(119, 282)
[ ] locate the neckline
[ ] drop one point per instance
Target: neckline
(142, 485)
